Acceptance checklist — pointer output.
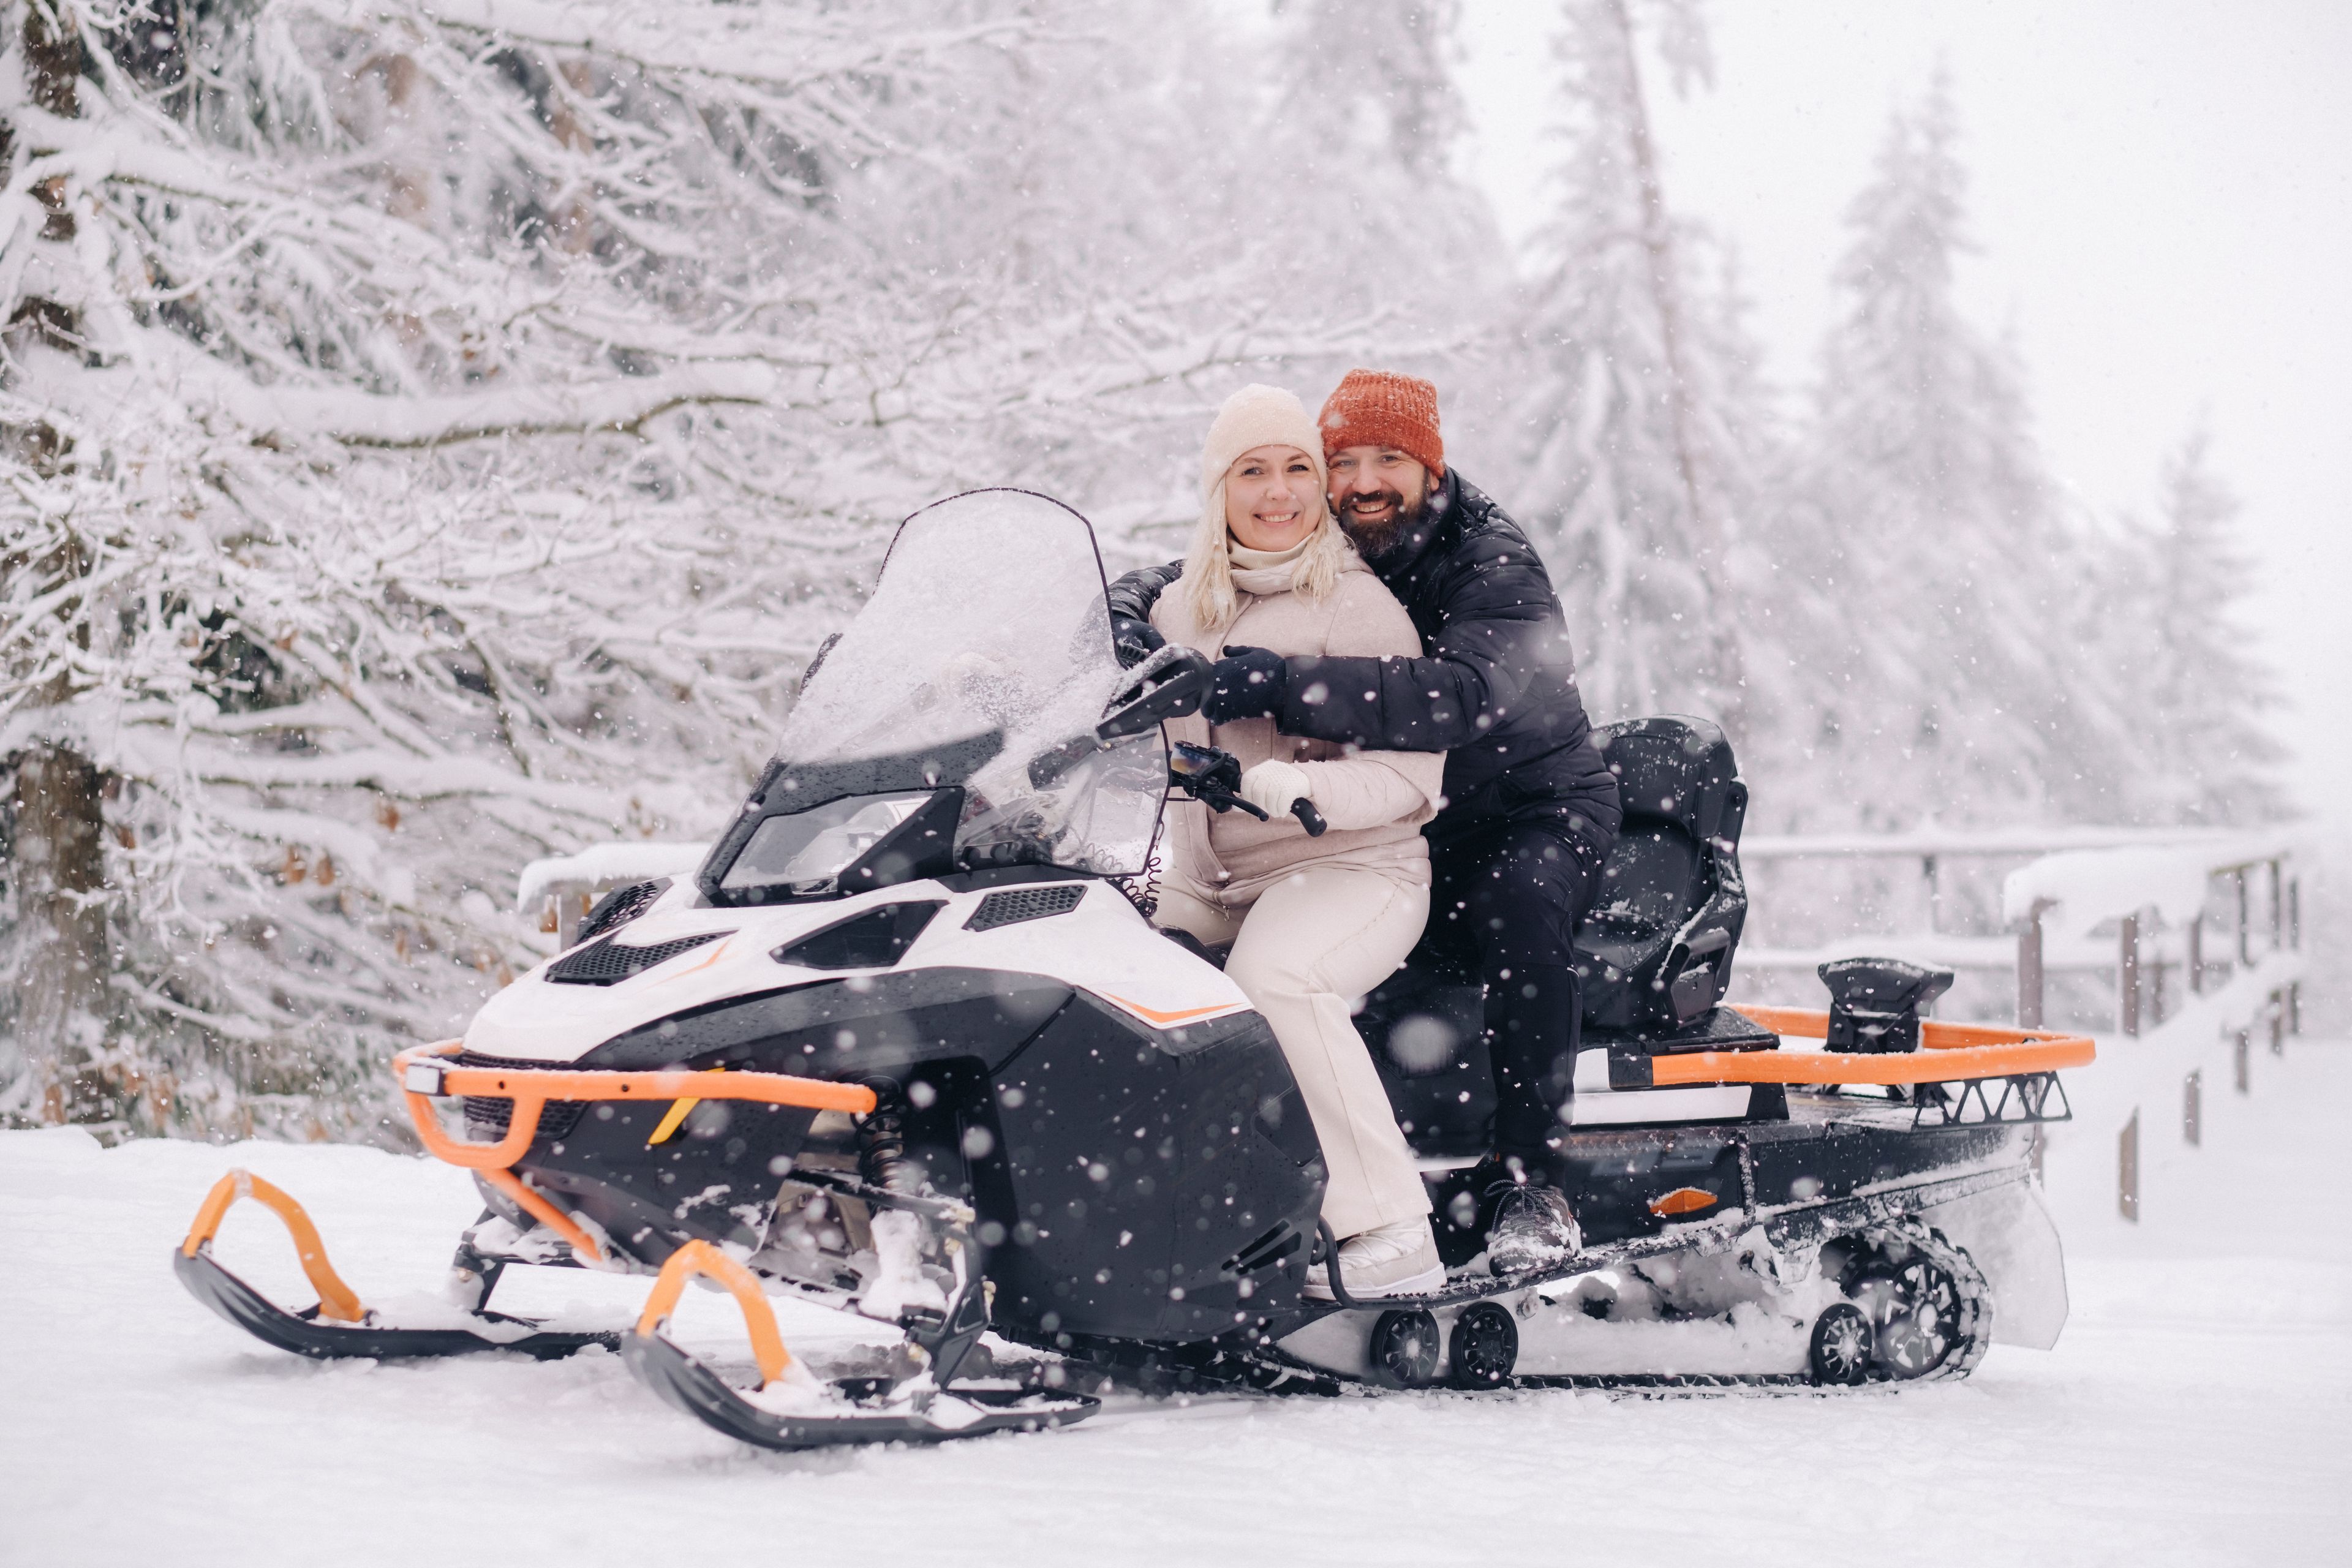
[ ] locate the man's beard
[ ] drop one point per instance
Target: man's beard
(1375, 541)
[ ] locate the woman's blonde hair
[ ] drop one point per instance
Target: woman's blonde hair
(1210, 593)
(1257, 416)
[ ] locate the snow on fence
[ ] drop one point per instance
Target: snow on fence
(2169, 871)
(2131, 902)
(566, 886)
(2155, 896)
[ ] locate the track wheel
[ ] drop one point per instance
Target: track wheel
(1840, 1347)
(1484, 1348)
(1404, 1350)
(1914, 1309)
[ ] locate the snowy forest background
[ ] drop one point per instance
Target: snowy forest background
(436, 438)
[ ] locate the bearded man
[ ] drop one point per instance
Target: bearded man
(1530, 809)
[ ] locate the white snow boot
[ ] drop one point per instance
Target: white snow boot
(1395, 1259)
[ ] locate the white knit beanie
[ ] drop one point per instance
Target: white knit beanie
(1257, 416)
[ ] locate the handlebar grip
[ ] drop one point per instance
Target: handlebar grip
(1308, 817)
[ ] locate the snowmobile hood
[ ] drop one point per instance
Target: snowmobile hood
(1095, 943)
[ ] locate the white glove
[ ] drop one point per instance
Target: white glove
(1271, 786)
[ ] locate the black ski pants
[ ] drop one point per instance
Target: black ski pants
(1505, 901)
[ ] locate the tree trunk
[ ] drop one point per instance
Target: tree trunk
(52, 60)
(60, 873)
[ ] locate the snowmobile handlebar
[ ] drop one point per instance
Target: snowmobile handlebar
(1213, 777)
(1167, 685)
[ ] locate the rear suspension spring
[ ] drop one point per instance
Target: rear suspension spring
(882, 1140)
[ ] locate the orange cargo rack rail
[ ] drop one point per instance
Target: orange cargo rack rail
(424, 1075)
(1948, 1053)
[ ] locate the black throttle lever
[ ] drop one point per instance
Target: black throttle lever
(1210, 776)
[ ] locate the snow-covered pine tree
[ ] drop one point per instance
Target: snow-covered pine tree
(1377, 86)
(392, 469)
(1633, 479)
(1945, 578)
(438, 436)
(1407, 247)
(2184, 661)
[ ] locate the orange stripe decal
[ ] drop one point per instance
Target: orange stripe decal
(717, 953)
(1153, 1015)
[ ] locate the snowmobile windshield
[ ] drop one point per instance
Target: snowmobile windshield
(986, 646)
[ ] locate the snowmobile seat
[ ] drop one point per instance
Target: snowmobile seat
(1654, 955)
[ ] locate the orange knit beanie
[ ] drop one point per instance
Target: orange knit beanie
(1383, 408)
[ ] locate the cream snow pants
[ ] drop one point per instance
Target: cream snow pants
(1311, 944)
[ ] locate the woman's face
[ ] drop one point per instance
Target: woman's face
(1273, 498)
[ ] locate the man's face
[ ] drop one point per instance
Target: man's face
(1376, 493)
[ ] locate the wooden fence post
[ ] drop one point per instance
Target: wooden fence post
(2193, 958)
(2029, 968)
(2127, 1169)
(2127, 978)
(2192, 1108)
(2245, 1056)
(2246, 934)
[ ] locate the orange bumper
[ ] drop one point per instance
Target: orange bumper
(424, 1076)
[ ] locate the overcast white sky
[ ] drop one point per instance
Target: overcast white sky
(2162, 197)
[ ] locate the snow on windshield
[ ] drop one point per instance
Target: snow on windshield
(990, 615)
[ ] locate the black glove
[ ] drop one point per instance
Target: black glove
(1247, 683)
(1134, 640)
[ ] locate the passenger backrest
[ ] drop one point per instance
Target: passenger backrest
(1655, 951)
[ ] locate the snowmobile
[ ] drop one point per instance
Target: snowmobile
(908, 1044)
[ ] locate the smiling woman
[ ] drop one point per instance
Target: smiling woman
(1310, 921)
(1262, 492)
(1274, 498)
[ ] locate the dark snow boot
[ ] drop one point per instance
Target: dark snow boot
(1534, 1228)
(1526, 1218)
(1534, 1022)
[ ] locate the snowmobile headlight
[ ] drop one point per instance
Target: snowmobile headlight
(808, 850)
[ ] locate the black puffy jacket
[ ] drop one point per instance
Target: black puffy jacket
(1497, 689)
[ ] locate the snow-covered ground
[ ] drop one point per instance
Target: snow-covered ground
(2198, 1410)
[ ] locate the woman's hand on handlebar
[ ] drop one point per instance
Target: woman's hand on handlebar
(1279, 788)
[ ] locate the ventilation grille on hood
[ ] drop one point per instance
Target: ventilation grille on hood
(1012, 907)
(619, 907)
(603, 963)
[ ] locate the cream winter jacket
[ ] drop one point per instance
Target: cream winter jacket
(1374, 801)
